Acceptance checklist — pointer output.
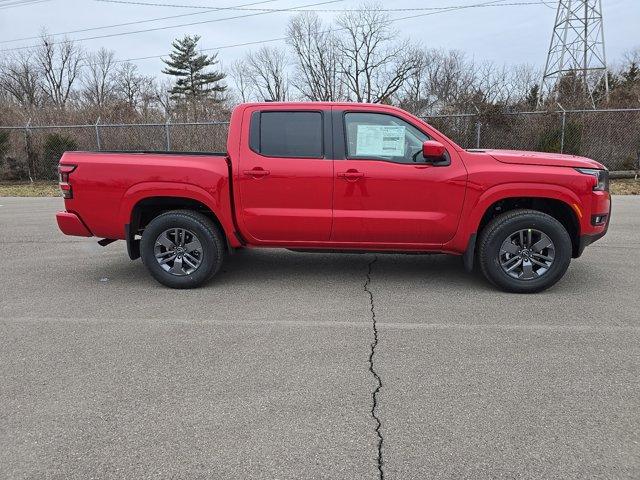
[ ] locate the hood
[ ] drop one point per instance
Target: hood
(544, 159)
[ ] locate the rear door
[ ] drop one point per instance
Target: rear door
(385, 193)
(285, 175)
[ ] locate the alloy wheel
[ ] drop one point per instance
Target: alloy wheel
(527, 254)
(178, 251)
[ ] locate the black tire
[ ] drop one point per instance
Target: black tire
(502, 228)
(210, 239)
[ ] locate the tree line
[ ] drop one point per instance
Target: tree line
(358, 57)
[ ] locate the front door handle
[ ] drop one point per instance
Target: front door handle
(257, 172)
(351, 175)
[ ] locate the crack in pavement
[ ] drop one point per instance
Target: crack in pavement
(374, 394)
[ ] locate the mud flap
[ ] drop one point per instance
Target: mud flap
(469, 253)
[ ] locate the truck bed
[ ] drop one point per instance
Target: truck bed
(106, 186)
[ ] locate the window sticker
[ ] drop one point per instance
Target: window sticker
(380, 141)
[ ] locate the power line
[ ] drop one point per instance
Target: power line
(491, 3)
(169, 26)
(149, 4)
(296, 9)
(222, 47)
(279, 39)
(204, 10)
(9, 3)
(137, 22)
(20, 3)
(301, 8)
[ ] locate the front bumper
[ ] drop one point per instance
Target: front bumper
(70, 224)
(588, 239)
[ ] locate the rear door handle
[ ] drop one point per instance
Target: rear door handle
(256, 172)
(351, 175)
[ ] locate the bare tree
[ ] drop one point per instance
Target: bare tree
(98, 78)
(20, 79)
(631, 56)
(412, 95)
(147, 98)
(241, 77)
(446, 81)
(316, 58)
(163, 96)
(60, 65)
(625, 86)
(443, 81)
(503, 85)
(373, 64)
(133, 88)
(267, 69)
(451, 80)
(492, 83)
(522, 79)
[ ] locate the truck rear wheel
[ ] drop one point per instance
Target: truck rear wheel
(182, 248)
(524, 251)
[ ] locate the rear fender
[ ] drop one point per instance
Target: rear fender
(212, 200)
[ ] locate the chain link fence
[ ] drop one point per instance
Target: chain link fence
(32, 152)
(609, 136)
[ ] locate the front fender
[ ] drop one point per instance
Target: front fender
(473, 213)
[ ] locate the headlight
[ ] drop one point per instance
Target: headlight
(602, 177)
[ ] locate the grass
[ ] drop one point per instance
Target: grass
(626, 186)
(28, 189)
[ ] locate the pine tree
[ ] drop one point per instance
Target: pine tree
(632, 75)
(613, 82)
(531, 99)
(193, 80)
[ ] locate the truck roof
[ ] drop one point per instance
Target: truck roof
(320, 104)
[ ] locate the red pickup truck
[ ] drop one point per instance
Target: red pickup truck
(339, 177)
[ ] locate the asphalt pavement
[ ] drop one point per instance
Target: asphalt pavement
(268, 372)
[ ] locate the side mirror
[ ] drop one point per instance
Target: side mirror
(433, 150)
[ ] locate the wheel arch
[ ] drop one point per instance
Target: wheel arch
(140, 205)
(542, 195)
(566, 213)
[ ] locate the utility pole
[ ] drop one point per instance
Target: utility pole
(576, 49)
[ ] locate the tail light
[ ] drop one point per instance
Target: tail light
(63, 172)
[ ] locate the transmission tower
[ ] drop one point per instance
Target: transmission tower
(576, 49)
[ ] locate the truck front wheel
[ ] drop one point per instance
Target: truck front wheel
(524, 251)
(182, 248)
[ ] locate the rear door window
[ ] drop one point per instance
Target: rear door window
(288, 134)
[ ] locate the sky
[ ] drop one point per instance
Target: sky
(508, 35)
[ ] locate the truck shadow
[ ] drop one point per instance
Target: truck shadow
(268, 265)
(434, 273)
(252, 268)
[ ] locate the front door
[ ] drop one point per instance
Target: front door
(385, 193)
(285, 176)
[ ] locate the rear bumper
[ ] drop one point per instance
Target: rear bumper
(70, 224)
